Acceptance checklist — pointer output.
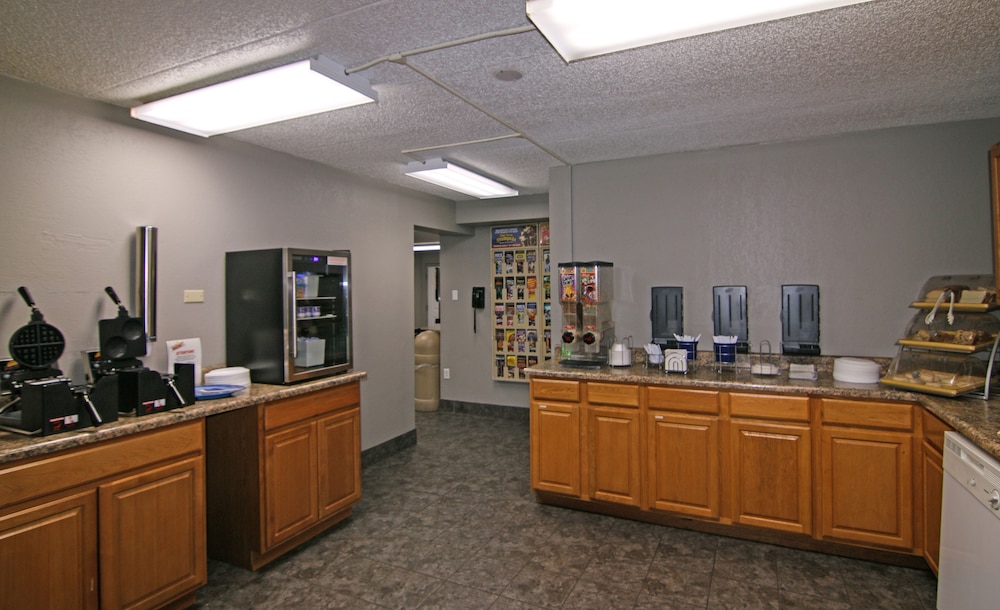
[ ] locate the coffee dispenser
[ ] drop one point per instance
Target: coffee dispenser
(585, 294)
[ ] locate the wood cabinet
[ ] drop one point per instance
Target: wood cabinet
(995, 199)
(50, 542)
(586, 440)
(932, 481)
(848, 475)
(683, 451)
(556, 438)
(867, 465)
(771, 467)
(280, 473)
(613, 443)
(117, 524)
(158, 512)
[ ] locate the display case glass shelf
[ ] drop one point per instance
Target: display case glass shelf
(950, 344)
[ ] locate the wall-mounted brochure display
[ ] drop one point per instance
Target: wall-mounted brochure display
(522, 299)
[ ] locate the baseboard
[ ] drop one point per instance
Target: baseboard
(409, 439)
(484, 410)
(393, 445)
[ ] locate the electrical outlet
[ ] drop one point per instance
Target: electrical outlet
(194, 296)
(454, 295)
(446, 373)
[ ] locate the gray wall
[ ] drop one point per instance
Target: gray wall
(868, 217)
(78, 177)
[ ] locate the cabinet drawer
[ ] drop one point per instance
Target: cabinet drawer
(693, 401)
(765, 406)
(934, 430)
(894, 416)
(21, 481)
(621, 394)
(555, 389)
(300, 408)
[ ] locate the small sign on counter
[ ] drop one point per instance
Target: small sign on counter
(185, 351)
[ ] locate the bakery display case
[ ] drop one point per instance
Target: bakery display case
(950, 345)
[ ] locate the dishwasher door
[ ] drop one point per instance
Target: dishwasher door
(970, 527)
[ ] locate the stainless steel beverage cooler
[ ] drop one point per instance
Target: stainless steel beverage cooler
(288, 313)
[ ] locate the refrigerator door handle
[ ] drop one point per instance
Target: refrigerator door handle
(292, 326)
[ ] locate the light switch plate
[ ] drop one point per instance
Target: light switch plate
(194, 296)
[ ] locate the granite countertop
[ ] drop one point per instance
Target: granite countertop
(15, 446)
(974, 418)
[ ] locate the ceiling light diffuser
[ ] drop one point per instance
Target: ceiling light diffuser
(585, 28)
(451, 176)
(299, 89)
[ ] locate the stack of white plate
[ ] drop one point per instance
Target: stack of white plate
(856, 370)
(232, 375)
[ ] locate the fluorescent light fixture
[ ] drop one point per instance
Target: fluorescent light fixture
(451, 176)
(426, 247)
(585, 28)
(299, 89)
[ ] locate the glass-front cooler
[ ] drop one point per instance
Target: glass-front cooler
(288, 313)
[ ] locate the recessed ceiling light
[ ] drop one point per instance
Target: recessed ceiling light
(451, 176)
(299, 89)
(585, 28)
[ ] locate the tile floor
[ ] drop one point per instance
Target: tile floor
(451, 523)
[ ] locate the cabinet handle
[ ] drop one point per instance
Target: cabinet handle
(657, 417)
(543, 406)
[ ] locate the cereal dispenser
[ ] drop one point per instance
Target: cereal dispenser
(585, 294)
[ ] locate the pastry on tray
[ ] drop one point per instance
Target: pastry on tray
(957, 337)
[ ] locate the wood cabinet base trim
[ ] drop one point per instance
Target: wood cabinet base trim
(743, 532)
(256, 561)
(181, 603)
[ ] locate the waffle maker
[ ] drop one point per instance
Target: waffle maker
(37, 399)
(121, 383)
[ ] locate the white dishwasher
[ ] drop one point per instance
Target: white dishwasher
(969, 565)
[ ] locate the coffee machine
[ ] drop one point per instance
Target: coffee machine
(586, 290)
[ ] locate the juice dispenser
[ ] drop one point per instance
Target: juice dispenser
(585, 294)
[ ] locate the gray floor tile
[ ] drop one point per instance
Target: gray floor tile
(729, 594)
(540, 587)
(452, 523)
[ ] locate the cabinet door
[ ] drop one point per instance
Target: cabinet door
(555, 448)
(339, 451)
(933, 481)
(772, 475)
(48, 555)
(290, 483)
(683, 460)
(613, 455)
(152, 536)
(867, 486)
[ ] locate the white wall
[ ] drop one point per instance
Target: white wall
(77, 178)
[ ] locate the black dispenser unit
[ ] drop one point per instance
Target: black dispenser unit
(800, 319)
(729, 314)
(667, 315)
